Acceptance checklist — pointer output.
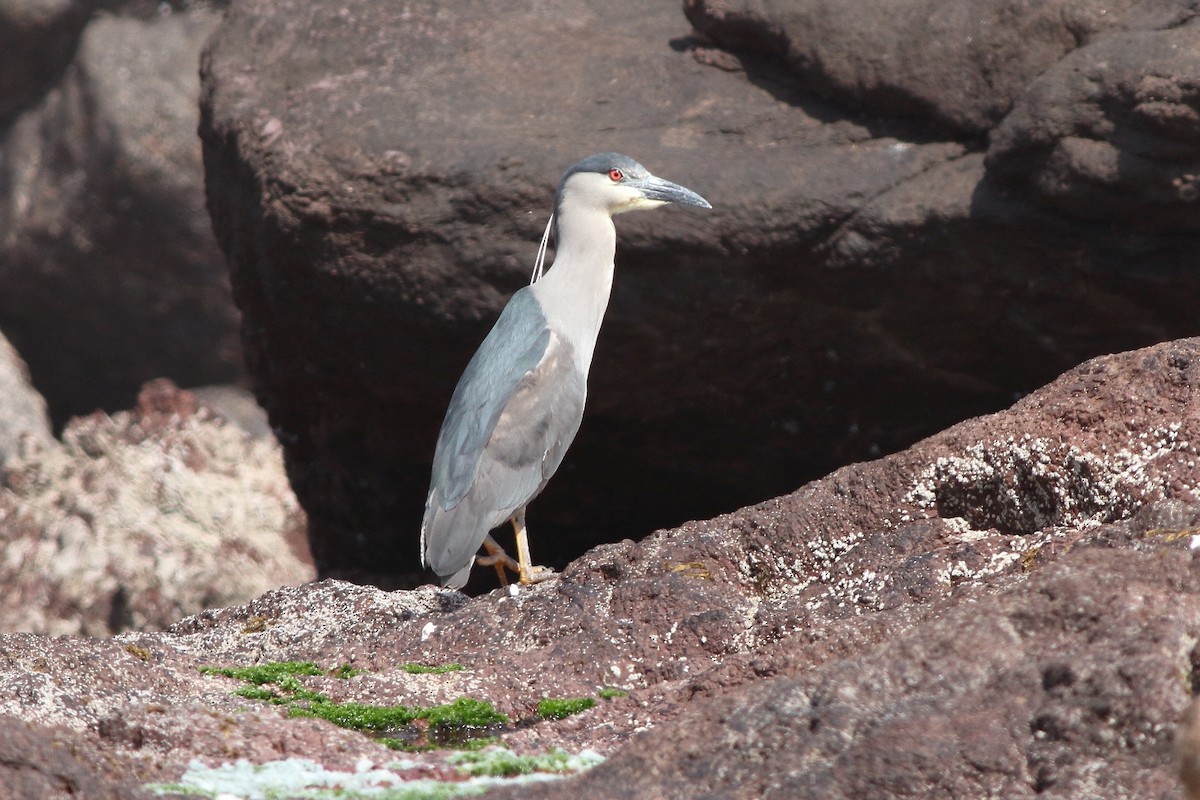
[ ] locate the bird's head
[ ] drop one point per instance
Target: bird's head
(615, 183)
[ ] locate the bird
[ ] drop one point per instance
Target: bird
(519, 403)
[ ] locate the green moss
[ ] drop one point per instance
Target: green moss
(456, 724)
(503, 763)
(176, 788)
(413, 668)
(561, 708)
(479, 743)
(346, 671)
(258, 693)
(358, 716)
(464, 711)
(608, 693)
(424, 746)
(266, 673)
(404, 745)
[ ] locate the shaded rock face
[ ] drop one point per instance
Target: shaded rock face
(111, 274)
(890, 251)
(979, 615)
(38, 39)
(143, 517)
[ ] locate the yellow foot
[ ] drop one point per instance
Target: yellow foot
(529, 573)
(537, 575)
(499, 559)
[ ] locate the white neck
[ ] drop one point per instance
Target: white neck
(574, 292)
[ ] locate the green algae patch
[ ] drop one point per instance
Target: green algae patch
(357, 716)
(499, 762)
(259, 693)
(465, 712)
(421, 745)
(345, 671)
(413, 668)
(561, 708)
(451, 725)
(609, 693)
(467, 723)
(266, 673)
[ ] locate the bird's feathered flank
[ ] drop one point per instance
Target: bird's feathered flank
(498, 446)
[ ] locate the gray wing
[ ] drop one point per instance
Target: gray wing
(514, 346)
(515, 411)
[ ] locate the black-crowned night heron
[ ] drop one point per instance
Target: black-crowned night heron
(518, 404)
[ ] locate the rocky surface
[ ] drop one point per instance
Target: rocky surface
(48, 765)
(111, 274)
(142, 517)
(1187, 751)
(1007, 609)
(1111, 132)
(889, 251)
(891, 59)
(23, 419)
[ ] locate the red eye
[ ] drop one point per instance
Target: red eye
(616, 175)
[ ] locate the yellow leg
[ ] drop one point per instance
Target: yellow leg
(497, 558)
(529, 573)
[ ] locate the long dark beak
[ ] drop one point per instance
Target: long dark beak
(654, 188)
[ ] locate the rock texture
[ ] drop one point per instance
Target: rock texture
(1042, 691)
(1110, 131)
(892, 59)
(890, 251)
(1008, 609)
(38, 38)
(24, 422)
(111, 275)
(43, 764)
(143, 517)
(1187, 751)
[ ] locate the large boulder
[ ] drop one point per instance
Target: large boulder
(144, 517)
(379, 176)
(934, 62)
(1007, 609)
(110, 271)
(1112, 132)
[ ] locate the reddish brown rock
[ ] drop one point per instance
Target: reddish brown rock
(1110, 132)
(870, 273)
(1187, 751)
(1009, 608)
(892, 58)
(50, 764)
(143, 517)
